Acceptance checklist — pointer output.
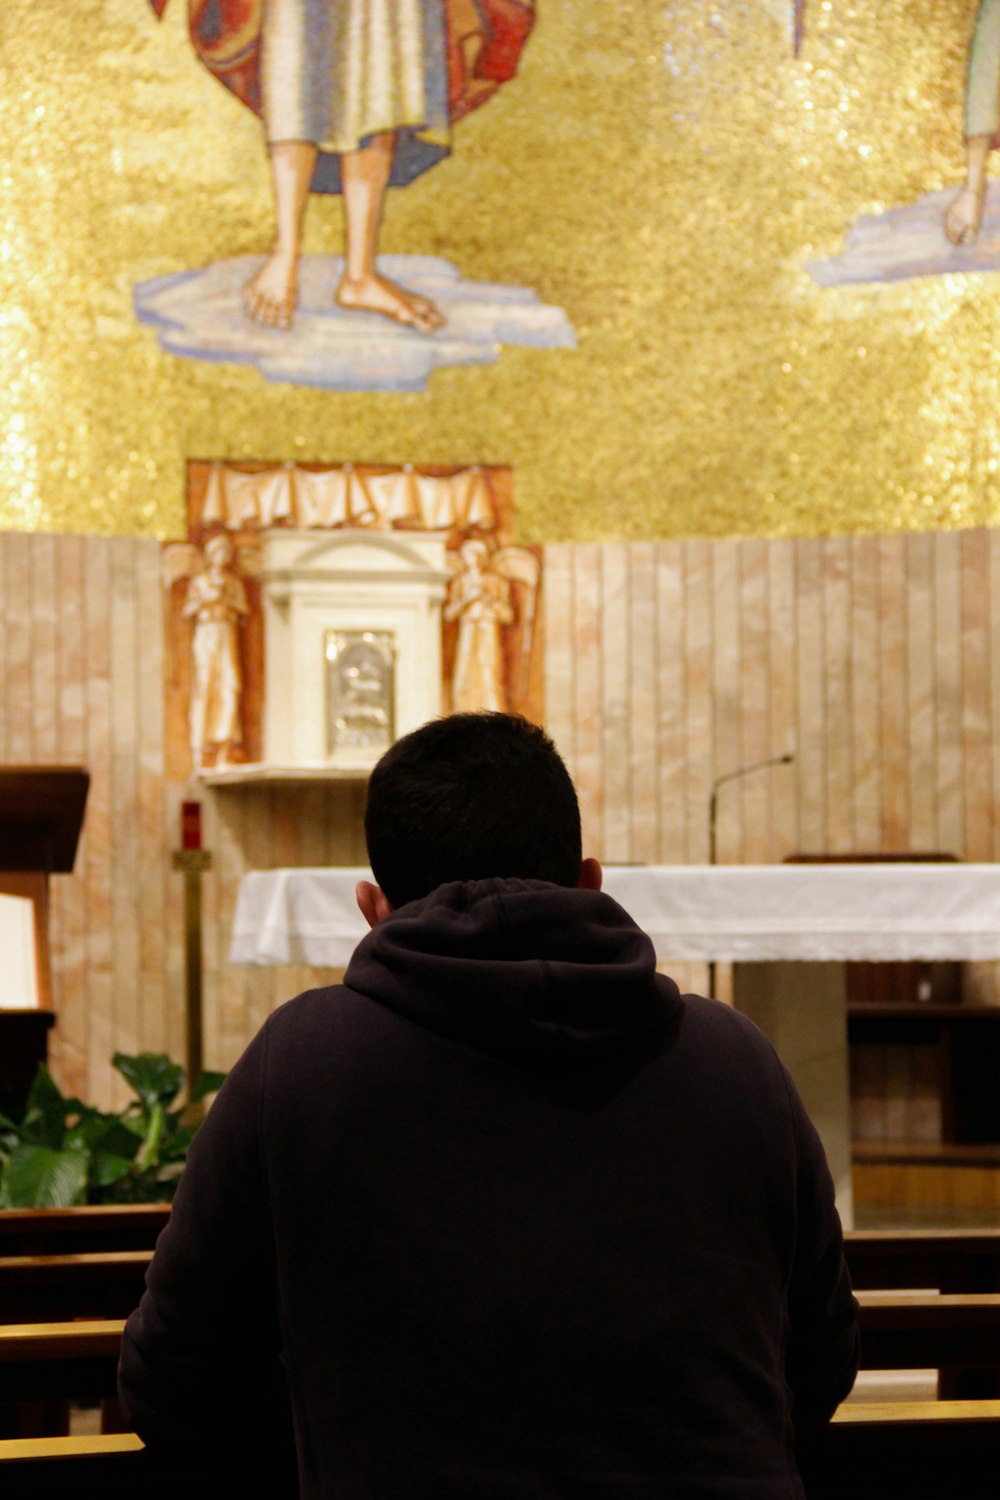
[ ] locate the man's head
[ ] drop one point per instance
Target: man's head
(468, 797)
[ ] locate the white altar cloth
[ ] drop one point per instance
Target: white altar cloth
(726, 913)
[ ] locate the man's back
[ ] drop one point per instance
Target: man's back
(519, 1220)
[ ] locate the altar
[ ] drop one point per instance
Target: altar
(788, 930)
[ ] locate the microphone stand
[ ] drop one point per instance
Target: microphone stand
(713, 808)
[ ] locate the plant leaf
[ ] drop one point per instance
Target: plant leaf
(120, 1139)
(44, 1093)
(149, 1151)
(46, 1111)
(205, 1084)
(38, 1177)
(152, 1075)
(90, 1129)
(176, 1145)
(107, 1168)
(64, 1151)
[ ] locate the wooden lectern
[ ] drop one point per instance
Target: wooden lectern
(41, 813)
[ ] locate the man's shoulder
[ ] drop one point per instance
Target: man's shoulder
(329, 1007)
(716, 1017)
(327, 1022)
(712, 1026)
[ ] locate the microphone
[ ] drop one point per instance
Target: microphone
(713, 807)
(713, 803)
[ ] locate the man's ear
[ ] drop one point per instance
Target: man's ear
(591, 875)
(372, 902)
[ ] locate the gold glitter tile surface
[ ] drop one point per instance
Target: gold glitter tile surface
(662, 171)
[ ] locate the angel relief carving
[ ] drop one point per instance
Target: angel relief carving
(490, 619)
(216, 604)
(483, 604)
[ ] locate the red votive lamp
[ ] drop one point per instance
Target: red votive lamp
(190, 825)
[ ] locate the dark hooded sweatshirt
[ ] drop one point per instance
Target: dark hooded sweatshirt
(503, 1216)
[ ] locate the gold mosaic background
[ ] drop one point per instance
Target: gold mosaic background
(662, 171)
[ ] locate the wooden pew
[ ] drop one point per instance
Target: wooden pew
(79, 1360)
(952, 1260)
(56, 1264)
(52, 1288)
(956, 1335)
(897, 1332)
(956, 1261)
(55, 1361)
(936, 1331)
(46, 1366)
(112, 1466)
(889, 1451)
(45, 1290)
(73, 1231)
(908, 1450)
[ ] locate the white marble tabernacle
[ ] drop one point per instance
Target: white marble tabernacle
(352, 624)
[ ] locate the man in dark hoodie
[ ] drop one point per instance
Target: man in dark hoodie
(503, 1216)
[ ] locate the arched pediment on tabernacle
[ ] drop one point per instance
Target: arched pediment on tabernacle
(352, 643)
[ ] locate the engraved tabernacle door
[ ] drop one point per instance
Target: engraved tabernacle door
(352, 643)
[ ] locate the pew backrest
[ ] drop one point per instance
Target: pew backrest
(908, 1450)
(935, 1331)
(53, 1361)
(49, 1288)
(912, 1450)
(952, 1260)
(90, 1227)
(112, 1466)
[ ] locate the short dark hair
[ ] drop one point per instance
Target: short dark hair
(468, 797)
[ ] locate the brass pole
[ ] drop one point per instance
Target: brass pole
(192, 863)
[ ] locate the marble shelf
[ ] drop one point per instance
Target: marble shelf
(274, 773)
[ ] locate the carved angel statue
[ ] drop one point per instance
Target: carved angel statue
(216, 601)
(479, 599)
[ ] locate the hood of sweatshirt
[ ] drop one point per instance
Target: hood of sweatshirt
(559, 983)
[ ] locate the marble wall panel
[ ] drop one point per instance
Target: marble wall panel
(949, 778)
(19, 737)
(699, 720)
(810, 751)
(126, 914)
(976, 732)
(587, 644)
(922, 718)
(41, 584)
(668, 664)
(69, 912)
(839, 740)
(992, 544)
(94, 860)
(669, 706)
(560, 657)
(894, 717)
(642, 749)
(863, 668)
(782, 566)
(755, 727)
(618, 647)
(156, 1026)
(727, 691)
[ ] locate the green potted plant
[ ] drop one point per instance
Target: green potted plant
(64, 1152)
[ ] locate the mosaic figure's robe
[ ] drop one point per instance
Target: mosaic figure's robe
(336, 71)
